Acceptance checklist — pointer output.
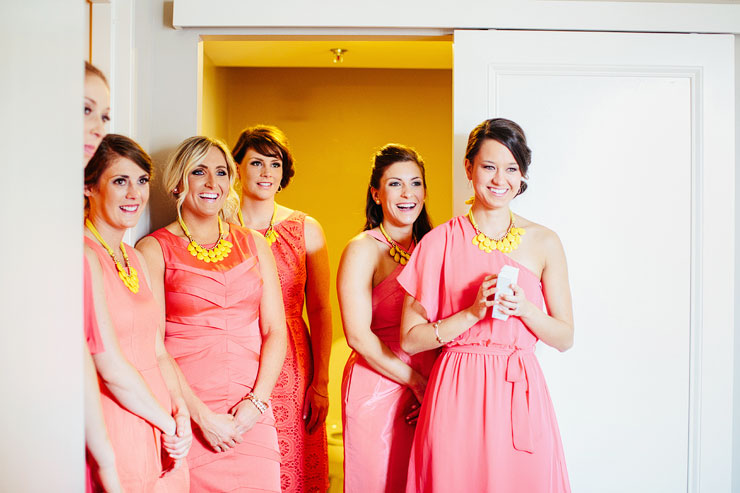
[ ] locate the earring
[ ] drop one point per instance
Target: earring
(280, 188)
(175, 191)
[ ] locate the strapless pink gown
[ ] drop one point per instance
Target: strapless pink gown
(377, 439)
(213, 333)
(137, 444)
(487, 421)
(305, 464)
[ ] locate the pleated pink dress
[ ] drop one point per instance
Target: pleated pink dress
(377, 439)
(137, 444)
(305, 463)
(213, 333)
(487, 421)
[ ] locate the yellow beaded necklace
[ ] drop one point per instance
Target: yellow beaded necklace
(270, 234)
(508, 242)
(130, 279)
(397, 252)
(217, 253)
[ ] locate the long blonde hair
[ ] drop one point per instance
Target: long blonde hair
(189, 154)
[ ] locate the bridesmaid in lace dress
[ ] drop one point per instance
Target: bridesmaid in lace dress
(382, 386)
(298, 243)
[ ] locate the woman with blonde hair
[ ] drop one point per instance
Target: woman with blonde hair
(266, 166)
(225, 326)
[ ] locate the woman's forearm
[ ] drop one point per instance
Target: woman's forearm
(129, 388)
(550, 330)
(272, 356)
(381, 359)
(96, 434)
(321, 336)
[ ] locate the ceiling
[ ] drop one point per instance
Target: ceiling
(422, 53)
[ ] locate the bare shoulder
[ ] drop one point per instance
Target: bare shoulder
(315, 237)
(282, 212)
(92, 259)
(363, 245)
(259, 241)
(540, 235)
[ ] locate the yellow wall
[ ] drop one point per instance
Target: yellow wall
(335, 120)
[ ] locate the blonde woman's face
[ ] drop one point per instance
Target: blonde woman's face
(208, 185)
(96, 114)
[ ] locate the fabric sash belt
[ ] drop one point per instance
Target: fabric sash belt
(516, 373)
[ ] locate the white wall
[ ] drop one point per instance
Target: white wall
(41, 90)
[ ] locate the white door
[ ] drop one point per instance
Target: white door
(633, 166)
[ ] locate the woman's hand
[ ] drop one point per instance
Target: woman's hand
(315, 409)
(220, 431)
(245, 415)
(418, 387)
(484, 298)
(515, 304)
(178, 444)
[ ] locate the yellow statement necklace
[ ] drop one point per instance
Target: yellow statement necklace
(270, 234)
(508, 242)
(130, 279)
(217, 253)
(396, 252)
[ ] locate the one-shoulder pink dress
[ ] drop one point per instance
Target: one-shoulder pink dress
(305, 464)
(377, 439)
(213, 333)
(137, 444)
(487, 421)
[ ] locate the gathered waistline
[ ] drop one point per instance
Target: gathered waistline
(499, 349)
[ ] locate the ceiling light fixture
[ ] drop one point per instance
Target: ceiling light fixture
(338, 54)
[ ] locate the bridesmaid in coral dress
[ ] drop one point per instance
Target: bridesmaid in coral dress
(487, 422)
(298, 243)
(225, 326)
(382, 386)
(136, 400)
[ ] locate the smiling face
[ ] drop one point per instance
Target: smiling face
(97, 114)
(119, 196)
(401, 193)
(495, 174)
(260, 175)
(208, 185)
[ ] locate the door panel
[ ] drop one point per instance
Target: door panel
(617, 126)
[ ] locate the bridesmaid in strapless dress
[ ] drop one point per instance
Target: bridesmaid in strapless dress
(487, 422)
(300, 398)
(218, 287)
(382, 386)
(136, 400)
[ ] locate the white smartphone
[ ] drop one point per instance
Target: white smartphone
(507, 276)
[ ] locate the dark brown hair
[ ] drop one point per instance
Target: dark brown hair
(507, 133)
(268, 141)
(112, 147)
(92, 70)
(388, 155)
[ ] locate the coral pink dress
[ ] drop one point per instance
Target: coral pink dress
(487, 422)
(213, 333)
(136, 443)
(377, 439)
(94, 344)
(305, 465)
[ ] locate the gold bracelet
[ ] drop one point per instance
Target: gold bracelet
(261, 406)
(436, 332)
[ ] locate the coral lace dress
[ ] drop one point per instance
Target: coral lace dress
(137, 444)
(377, 439)
(305, 465)
(213, 333)
(487, 422)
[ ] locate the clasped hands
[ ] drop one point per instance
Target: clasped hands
(177, 444)
(224, 431)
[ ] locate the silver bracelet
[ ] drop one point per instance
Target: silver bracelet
(436, 332)
(261, 406)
